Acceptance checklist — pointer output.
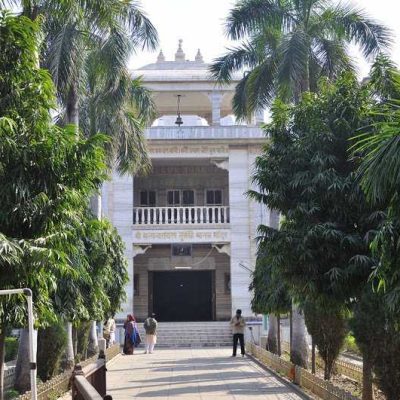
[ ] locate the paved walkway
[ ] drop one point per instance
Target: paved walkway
(189, 374)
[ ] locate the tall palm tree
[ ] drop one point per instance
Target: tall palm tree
(86, 48)
(287, 45)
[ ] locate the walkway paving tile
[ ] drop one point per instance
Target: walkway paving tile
(189, 374)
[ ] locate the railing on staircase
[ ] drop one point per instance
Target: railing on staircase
(193, 215)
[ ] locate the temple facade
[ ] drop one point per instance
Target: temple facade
(189, 228)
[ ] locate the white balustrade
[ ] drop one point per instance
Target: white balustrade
(181, 215)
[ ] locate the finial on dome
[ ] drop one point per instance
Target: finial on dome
(199, 57)
(180, 55)
(161, 57)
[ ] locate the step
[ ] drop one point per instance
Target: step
(192, 334)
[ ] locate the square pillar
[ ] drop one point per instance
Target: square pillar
(216, 99)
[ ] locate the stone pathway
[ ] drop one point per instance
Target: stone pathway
(189, 374)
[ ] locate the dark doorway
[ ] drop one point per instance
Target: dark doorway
(182, 295)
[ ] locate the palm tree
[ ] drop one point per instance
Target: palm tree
(286, 46)
(86, 48)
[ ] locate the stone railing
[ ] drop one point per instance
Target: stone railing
(181, 215)
(204, 132)
(323, 389)
(60, 384)
(9, 375)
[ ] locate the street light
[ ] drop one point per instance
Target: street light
(32, 355)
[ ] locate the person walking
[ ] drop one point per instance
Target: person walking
(132, 338)
(109, 331)
(150, 326)
(237, 324)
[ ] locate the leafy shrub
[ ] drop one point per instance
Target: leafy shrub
(351, 345)
(52, 342)
(11, 394)
(11, 348)
(82, 330)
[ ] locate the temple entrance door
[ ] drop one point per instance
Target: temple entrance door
(182, 295)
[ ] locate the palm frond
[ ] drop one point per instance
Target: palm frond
(248, 16)
(293, 67)
(239, 102)
(380, 168)
(356, 26)
(142, 31)
(260, 86)
(332, 57)
(234, 60)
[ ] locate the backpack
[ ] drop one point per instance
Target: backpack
(150, 325)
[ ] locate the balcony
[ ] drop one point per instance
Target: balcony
(192, 215)
(205, 132)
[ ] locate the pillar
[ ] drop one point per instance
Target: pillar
(216, 99)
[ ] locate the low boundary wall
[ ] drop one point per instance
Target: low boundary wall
(301, 377)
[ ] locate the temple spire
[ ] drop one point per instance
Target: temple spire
(199, 57)
(161, 57)
(180, 55)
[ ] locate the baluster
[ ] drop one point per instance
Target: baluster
(205, 215)
(219, 214)
(214, 215)
(140, 216)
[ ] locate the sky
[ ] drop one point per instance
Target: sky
(199, 23)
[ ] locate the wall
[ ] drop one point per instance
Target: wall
(159, 258)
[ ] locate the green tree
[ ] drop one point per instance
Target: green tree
(287, 46)
(376, 323)
(47, 175)
(320, 250)
(270, 293)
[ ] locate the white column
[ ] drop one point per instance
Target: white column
(242, 247)
(120, 210)
(216, 99)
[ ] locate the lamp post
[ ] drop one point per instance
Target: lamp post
(32, 355)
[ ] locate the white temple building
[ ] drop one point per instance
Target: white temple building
(189, 228)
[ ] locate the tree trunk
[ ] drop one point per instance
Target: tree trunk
(95, 205)
(278, 317)
(367, 392)
(75, 340)
(22, 369)
(290, 329)
(299, 349)
(93, 342)
(2, 354)
(72, 107)
(312, 356)
(272, 339)
(70, 356)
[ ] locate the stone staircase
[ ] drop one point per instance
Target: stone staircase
(191, 334)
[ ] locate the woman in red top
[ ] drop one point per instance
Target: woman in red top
(129, 325)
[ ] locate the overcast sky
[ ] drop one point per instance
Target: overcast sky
(200, 24)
